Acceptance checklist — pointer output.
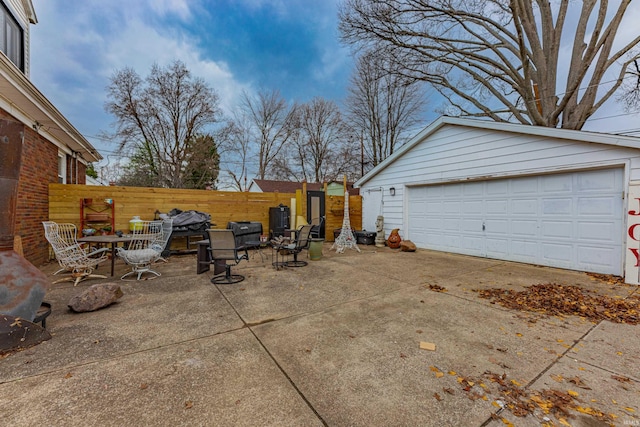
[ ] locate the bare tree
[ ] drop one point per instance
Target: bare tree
(630, 96)
(316, 150)
(381, 106)
(235, 150)
(158, 119)
(269, 118)
(501, 58)
(323, 129)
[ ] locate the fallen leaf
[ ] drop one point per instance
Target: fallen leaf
(629, 409)
(578, 382)
(514, 382)
(439, 374)
(452, 372)
(144, 386)
(69, 375)
(448, 390)
(557, 378)
(437, 396)
(621, 378)
(590, 411)
(518, 334)
(506, 422)
(434, 369)
(572, 393)
(188, 404)
(564, 422)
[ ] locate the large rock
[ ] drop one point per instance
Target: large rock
(95, 297)
(407, 246)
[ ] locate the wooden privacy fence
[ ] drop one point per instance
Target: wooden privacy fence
(223, 206)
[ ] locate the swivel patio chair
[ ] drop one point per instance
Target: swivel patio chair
(143, 249)
(316, 227)
(72, 256)
(225, 253)
(301, 243)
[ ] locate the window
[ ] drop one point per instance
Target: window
(62, 168)
(11, 37)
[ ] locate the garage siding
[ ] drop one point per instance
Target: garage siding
(569, 220)
(454, 153)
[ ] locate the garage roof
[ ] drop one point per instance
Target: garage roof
(556, 133)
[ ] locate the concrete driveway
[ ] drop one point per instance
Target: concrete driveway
(334, 343)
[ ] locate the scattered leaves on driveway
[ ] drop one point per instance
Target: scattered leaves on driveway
(437, 288)
(518, 400)
(607, 278)
(553, 299)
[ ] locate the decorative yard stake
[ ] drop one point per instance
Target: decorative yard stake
(345, 239)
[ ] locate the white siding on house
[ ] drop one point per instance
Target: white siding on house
(18, 11)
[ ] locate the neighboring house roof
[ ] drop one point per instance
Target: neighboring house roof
(20, 98)
(566, 134)
(269, 186)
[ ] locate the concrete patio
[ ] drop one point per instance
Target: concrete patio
(334, 343)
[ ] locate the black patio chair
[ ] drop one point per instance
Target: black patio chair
(225, 254)
(316, 227)
(301, 243)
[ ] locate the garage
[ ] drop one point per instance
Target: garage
(569, 220)
(552, 197)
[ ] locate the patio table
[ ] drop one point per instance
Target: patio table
(111, 239)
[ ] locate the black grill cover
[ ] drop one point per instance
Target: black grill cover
(245, 231)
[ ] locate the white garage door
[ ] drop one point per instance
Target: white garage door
(569, 220)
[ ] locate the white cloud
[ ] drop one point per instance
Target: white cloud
(75, 54)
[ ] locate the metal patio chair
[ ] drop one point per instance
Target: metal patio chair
(225, 253)
(302, 242)
(144, 249)
(71, 255)
(162, 243)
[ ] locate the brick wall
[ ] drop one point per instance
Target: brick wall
(39, 168)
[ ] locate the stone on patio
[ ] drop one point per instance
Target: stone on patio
(407, 246)
(95, 297)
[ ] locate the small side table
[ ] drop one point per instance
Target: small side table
(203, 258)
(278, 258)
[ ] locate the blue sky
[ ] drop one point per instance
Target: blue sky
(234, 45)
